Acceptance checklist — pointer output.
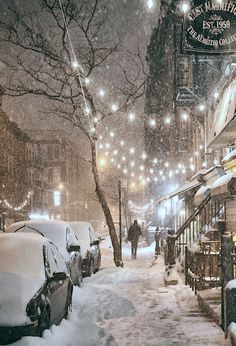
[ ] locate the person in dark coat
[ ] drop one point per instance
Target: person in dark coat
(133, 235)
(157, 240)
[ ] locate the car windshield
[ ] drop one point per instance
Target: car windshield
(82, 231)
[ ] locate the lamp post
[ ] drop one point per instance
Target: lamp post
(120, 230)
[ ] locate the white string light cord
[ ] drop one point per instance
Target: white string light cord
(19, 207)
(140, 209)
(76, 65)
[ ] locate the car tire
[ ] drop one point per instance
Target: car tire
(44, 322)
(68, 304)
(80, 278)
(90, 268)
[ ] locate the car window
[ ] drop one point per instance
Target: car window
(50, 263)
(60, 262)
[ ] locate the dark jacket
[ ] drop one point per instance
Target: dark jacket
(134, 232)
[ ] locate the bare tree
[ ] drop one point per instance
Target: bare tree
(50, 48)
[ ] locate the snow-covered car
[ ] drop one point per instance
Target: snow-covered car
(62, 235)
(36, 288)
(90, 249)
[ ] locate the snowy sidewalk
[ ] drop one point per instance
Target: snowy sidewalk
(131, 306)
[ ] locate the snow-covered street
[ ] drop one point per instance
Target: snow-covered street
(131, 306)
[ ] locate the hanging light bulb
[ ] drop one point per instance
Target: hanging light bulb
(141, 168)
(202, 107)
(132, 150)
(87, 81)
(167, 120)
(152, 122)
(132, 163)
(114, 107)
(131, 117)
(101, 93)
(184, 116)
(185, 7)
(144, 156)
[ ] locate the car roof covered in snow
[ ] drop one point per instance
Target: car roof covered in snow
(53, 230)
(21, 252)
(84, 230)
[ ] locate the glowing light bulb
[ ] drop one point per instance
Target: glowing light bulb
(185, 7)
(102, 162)
(144, 156)
(132, 174)
(141, 168)
(152, 122)
(100, 137)
(125, 170)
(155, 179)
(191, 159)
(166, 164)
(101, 93)
(122, 143)
(112, 134)
(131, 117)
(154, 161)
(87, 81)
(87, 110)
(168, 120)
(151, 170)
(101, 146)
(115, 152)
(200, 147)
(132, 163)
(150, 4)
(123, 158)
(184, 116)
(132, 150)
(107, 145)
(75, 64)
(216, 162)
(192, 167)
(114, 107)
(202, 107)
(204, 164)
(216, 95)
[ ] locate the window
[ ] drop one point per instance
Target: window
(57, 198)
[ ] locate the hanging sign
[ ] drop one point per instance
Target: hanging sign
(210, 27)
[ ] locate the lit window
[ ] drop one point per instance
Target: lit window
(57, 198)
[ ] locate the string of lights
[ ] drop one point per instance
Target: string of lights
(140, 209)
(19, 207)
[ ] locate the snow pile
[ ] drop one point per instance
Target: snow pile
(232, 333)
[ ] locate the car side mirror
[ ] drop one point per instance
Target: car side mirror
(74, 247)
(59, 276)
(95, 242)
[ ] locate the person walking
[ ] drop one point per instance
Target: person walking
(133, 235)
(157, 240)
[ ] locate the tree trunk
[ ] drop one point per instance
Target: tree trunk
(106, 210)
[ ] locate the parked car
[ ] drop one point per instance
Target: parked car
(90, 248)
(62, 235)
(36, 288)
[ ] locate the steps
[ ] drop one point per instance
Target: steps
(210, 303)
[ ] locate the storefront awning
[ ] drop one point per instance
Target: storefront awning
(180, 190)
